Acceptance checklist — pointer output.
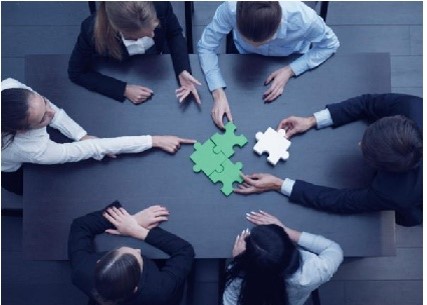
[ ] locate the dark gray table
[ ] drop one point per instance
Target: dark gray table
(200, 213)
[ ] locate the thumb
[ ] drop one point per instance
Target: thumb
(112, 231)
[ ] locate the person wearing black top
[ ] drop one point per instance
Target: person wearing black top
(121, 29)
(124, 275)
(392, 145)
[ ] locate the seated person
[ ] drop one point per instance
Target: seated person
(121, 29)
(273, 264)
(125, 275)
(269, 28)
(392, 145)
(24, 117)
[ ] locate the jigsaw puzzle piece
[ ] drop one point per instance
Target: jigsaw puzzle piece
(205, 159)
(226, 141)
(274, 143)
(228, 173)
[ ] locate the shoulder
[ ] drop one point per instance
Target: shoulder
(297, 13)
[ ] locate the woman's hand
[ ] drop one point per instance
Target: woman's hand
(171, 144)
(278, 79)
(152, 216)
(125, 223)
(240, 243)
(188, 85)
(137, 94)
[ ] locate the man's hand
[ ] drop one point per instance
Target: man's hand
(295, 125)
(188, 85)
(258, 183)
(89, 137)
(240, 243)
(220, 108)
(125, 223)
(152, 216)
(171, 144)
(137, 94)
(278, 79)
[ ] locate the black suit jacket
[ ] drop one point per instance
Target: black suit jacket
(162, 286)
(168, 39)
(401, 192)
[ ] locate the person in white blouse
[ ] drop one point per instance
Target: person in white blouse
(274, 264)
(24, 117)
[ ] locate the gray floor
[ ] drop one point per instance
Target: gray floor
(393, 27)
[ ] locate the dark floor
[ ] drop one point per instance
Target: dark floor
(393, 27)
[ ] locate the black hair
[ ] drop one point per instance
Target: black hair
(393, 144)
(116, 277)
(14, 113)
(270, 258)
(258, 20)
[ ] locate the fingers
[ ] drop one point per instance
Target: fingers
(275, 92)
(217, 118)
(186, 141)
(285, 124)
(229, 116)
(270, 78)
(112, 231)
(148, 90)
(196, 96)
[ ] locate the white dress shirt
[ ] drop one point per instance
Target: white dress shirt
(35, 146)
(320, 259)
(300, 27)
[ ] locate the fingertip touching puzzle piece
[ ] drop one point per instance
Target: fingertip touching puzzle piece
(225, 142)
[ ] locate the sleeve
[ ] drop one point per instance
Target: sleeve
(81, 71)
(324, 44)
(369, 107)
(231, 293)
(82, 234)
(207, 47)
(176, 42)
(329, 254)
(178, 266)
(66, 125)
(55, 153)
(343, 201)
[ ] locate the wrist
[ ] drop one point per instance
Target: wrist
(289, 71)
(277, 184)
(217, 93)
(155, 141)
(312, 121)
(141, 233)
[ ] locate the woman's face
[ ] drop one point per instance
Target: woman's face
(40, 113)
(143, 32)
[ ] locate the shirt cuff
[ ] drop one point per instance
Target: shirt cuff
(299, 67)
(149, 141)
(323, 119)
(287, 186)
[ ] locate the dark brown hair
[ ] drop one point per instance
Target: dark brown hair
(115, 16)
(258, 20)
(393, 144)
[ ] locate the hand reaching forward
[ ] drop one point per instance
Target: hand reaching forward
(258, 183)
(188, 85)
(125, 223)
(170, 144)
(240, 243)
(152, 216)
(278, 79)
(137, 94)
(295, 125)
(220, 108)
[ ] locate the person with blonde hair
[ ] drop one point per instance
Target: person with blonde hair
(121, 29)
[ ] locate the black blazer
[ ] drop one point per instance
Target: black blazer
(168, 39)
(162, 286)
(401, 192)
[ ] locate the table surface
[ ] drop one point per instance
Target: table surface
(55, 194)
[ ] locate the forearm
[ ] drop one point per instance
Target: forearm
(66, 125)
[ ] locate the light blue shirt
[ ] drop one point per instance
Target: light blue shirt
(300, 27)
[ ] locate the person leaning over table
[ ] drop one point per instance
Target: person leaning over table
(125, 275)
(24, 117)
(269, 28)
(274, 264)
(392, 145)
(121, 29)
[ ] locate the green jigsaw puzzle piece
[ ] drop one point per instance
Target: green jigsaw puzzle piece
(226, 141)
(228, 173)
(206, 159)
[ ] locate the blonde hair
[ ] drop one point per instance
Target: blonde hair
(113, 17)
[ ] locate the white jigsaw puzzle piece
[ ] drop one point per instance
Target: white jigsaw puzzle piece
(274, 143)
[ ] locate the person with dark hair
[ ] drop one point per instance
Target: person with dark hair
(392, 145)
(24, 117)
(276, 265)
(125, 275)
(121, 29)
(269, 28)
